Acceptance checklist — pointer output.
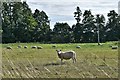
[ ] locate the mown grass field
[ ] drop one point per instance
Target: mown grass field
(93, 61)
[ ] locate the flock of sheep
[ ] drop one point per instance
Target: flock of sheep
(33, 47)
(62, 55)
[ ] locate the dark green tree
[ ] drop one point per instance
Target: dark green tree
(24, 22)
(7, 22)
(77, 14)
(61, 33)
(77, 29)
(118, 28)
(42, 30)
(88, 27)
(111, 27)
(100, 28)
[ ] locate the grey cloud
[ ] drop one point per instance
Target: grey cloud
(63, 11)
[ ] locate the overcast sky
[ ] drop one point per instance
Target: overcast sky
(62, 10)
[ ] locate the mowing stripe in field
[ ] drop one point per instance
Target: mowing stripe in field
(31, 65)
(104, 71)
(10, 65)
(104, 62)
(79, 71)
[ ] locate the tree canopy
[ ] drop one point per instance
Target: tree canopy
(19, 24)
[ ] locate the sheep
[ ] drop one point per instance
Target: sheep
(66, 55)
(19, 46)
(39, 47)
(34, 47)
(25, 47)
(78, 47)
(9, 47)
(114, 47)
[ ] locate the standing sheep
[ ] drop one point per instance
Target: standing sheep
(25, 47)
(39, 47)
(78, 47)
(34, 47)
(66, 55)
(19, 46)
(9, 47)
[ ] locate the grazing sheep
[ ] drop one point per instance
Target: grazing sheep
(9, 47)
(78, 47)
(25, 47)
(114, 47)
(66, 55)
(19, 46)
(39, 47)
(34, 47)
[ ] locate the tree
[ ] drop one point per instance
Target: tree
(77, 29)
(24, 22)
(100, 28)
(42, 30)
(77, 14)
(77, 32)
(1, 22)
(112, 26)
(88, 27)
(7, 22)
(61, 33)
(118, 28)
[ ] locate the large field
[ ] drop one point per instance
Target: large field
(93, 61)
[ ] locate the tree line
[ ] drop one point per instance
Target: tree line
(19, 24)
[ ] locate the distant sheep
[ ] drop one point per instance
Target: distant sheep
(8, 47)
(34, 47)
(114, 47)
(25, 47)
(39, 47)
(78, 47)
(19, 46)
(66, 55)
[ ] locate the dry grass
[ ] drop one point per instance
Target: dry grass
(92, 61)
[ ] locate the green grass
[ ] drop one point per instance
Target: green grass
(92, 61)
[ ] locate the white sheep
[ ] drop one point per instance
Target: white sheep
(114, 47)
(66, 55)
(39, 47)
(25, 47)
(34, 47)
(78, 47)
(19, 46)
(9, 47)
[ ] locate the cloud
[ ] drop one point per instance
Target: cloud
(62, 10)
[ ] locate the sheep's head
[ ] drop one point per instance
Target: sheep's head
(58, 51)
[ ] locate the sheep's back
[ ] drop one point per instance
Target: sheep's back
(67, 55)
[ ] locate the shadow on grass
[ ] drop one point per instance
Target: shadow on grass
(53, 64)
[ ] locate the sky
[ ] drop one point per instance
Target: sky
(62, 10)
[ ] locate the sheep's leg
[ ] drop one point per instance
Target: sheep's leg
(74, 59)
(61, 61)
